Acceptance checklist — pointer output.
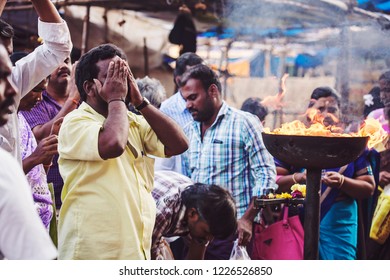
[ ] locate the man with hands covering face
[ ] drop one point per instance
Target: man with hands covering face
(108, 211)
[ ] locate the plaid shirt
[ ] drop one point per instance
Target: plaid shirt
(232, 155)
(170, 211)
(174, 107)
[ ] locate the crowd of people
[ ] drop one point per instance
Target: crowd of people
(122, 172)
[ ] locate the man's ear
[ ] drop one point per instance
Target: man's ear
(177, 81)
(87, 86)
(192, 214)
(213, 90)
(90, 87)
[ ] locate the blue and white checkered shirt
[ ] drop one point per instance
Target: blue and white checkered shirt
(174, 107)
(232, 155)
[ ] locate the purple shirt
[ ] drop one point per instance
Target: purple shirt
(37, 175)
(42, 113)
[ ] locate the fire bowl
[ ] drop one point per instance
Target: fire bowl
(314, 152)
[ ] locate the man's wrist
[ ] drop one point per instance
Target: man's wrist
(201, 242)
(145, 102)
(116, 99)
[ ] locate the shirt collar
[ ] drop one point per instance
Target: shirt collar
(47, 97)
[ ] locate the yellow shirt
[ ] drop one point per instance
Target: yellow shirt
(107, 210)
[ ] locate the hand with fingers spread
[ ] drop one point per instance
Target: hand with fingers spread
(115, 86)
(134, 93)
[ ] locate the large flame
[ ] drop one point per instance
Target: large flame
(371, 127)
(276, 101)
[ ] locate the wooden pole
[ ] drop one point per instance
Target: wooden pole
(85, 35)
(106, 29)
(146, 58)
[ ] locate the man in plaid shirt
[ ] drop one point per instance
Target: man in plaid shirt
(197, 211)
(226, 149)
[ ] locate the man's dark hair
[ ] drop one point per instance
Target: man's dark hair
(215, 205)
(185, 60)
(203, 73)
(6, 30)
(87, 70)
(321, 92)
(253, 105)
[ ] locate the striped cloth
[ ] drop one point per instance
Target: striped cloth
(170, 212)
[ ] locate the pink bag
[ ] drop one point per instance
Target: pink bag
(282, 240)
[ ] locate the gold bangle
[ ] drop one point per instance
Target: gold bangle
(293, 177)
(341, 181)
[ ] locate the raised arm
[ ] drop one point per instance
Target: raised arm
(32, 69)
(2, 5)
(113, 137)
(46, 11)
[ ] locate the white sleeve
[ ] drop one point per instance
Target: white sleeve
(22, 234)
(32, 69)
(173, 164)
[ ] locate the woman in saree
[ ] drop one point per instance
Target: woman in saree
(340, 189)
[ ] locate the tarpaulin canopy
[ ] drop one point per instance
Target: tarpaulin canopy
(375, 5)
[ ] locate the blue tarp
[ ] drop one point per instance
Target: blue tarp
(375, 5)
(225, 33)
(306, 61)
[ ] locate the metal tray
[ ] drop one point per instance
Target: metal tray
(262, 202)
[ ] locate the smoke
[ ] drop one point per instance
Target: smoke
(352, 47)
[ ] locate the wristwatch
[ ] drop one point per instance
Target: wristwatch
(145, 102)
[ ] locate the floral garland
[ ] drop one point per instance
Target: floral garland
(297, 191)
